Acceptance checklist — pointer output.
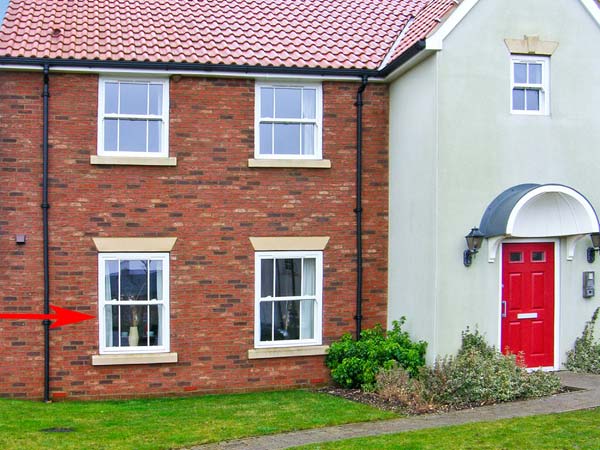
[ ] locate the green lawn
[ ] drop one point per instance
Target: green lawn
(171, 423)
(576, 430)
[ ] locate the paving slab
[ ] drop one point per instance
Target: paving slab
(586, 396)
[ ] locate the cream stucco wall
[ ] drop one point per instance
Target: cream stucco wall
(454, 146)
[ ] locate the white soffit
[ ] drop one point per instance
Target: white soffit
(552, 210)
(436, 40)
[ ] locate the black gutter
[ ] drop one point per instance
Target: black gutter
(172, 66)
(358, 210)
(403, 58)
(45, 207)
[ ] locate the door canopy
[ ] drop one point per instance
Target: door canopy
(538, 211)
(534, 210)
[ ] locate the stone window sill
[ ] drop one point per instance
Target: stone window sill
(133, 161)
(286, 352)
(134, 358)
(291, 163)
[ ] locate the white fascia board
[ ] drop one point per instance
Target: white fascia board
(593, 9)
(192, 73)
(26, 68)
(436, 40)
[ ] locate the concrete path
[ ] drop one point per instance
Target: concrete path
(588, 397)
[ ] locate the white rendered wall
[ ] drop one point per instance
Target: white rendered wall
(482, 150)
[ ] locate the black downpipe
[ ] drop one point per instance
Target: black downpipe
(358, 210)
(45, 207)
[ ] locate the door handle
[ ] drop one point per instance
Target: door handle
(503, 308)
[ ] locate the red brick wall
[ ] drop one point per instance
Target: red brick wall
(211, 201)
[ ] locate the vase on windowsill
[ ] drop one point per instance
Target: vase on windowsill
(134, 337)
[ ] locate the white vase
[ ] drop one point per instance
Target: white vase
(134, 337)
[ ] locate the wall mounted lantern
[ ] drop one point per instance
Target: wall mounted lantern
(591, 251)
(474, 241)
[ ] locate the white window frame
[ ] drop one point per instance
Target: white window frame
(163, 118)
(164, 326)
(317, 121)
(543, 87)
(318, 310)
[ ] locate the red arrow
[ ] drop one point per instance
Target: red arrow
(62, 317)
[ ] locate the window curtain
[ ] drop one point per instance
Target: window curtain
(109, 280)
(307, 315)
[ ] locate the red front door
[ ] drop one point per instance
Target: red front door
(528, 302)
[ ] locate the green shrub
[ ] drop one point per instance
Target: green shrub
(480, 375)
(477, 375)
(355, 363)
(585, 355)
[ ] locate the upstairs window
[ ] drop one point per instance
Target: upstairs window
(288, 121)
(133, 117)
(530, 92)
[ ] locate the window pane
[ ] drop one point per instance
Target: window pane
(111, 280)
(155, 106)
(308, 139)
(266, 102)
(519, 99)
(154, 136)
(287, 277)
(307, 319)
(535, 73)
(266, 138)
(111, 98)
(520, 73)
(132, 135)
(134, 280)
(288, 103)
(538, 256)
(287, 139)
(309, 277)
(266, 321)
(110, 134)
(266, 278)
(156, 280)
(533, 99)
(516, 257)
(310, 100)
(154, 336)
(134, 98)
(286, 320)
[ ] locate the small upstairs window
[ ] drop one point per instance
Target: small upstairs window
(133, 117)
(530, 85)
(288, 121)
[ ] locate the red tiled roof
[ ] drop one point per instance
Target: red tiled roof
(348, 34)
(424, 23)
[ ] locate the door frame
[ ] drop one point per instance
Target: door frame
(556, 243)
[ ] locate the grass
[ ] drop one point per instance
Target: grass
(575, 430)
(171, 423)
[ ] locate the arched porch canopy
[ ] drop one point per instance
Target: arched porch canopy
(538, 210)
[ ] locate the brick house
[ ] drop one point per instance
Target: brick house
(201, 191)
(212, 182)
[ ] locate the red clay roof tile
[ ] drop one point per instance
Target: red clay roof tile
(293, 33)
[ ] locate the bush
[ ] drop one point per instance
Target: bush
(395, 385)
(355, 363)
(585, 356)
(477, 375)
(480, 375)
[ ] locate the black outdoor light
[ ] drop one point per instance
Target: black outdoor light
(474, 241)
(591, 251)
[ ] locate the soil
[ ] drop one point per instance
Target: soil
(377, 401)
